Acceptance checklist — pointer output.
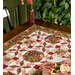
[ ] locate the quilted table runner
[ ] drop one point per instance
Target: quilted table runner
(24, 53)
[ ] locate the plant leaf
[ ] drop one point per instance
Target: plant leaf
(47, 4)
(58, 9)
(64, 21)
(49, 19)
(55, 19)
(62, 15)
(66, 6)
(44, 15)
(50, 5)
(67, 15)
(48, 0)
(64, 0)
(52, 15)
(56, 0)
(62, 3)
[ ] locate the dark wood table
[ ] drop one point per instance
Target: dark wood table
(26, 25)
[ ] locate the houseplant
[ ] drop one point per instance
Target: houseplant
(55, 11)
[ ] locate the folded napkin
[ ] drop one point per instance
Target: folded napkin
(48, 66)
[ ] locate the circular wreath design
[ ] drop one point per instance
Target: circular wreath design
(53, 39)
(33, 56)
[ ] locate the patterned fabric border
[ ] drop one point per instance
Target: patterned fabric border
(25, 33)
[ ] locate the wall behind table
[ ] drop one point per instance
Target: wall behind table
(18, 13)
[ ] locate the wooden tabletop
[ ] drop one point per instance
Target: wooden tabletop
(26, 25)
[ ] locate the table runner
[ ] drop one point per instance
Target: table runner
(52, 43)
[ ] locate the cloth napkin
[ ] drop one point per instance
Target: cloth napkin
(48, 66)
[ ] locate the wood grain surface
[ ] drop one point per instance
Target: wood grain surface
(26, 25)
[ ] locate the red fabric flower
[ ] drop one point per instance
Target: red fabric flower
(30, 1)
